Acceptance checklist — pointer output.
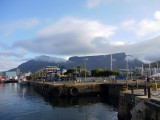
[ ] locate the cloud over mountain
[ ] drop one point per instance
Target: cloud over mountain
(72, 37)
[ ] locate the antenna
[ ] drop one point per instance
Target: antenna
(111, 62)
(127, 68)
(85, 65)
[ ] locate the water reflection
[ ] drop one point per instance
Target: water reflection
(81, 101)
(23, 103)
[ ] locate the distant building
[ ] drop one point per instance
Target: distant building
(18, 72)
(48, 72)
(27, 74)
(11, 75)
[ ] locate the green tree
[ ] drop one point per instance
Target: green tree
(96, 72)
(79, 69)
(103, 73)
(84, 72)
(70, 71)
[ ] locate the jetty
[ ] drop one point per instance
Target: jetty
(65, 88)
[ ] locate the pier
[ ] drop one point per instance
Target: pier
(108, 88)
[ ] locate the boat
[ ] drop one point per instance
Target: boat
(23, 82)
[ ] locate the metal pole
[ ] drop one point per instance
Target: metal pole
(157, 67)
(111, 62)
(85, 65)
(127, 69)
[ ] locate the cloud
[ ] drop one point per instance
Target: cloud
(145, 26)
(157, 15)
(8, 53)
(8, 28)
(144, 50)
(70, 36)
(50, 59)
(73, 37)
(7, 63)
(93, 3)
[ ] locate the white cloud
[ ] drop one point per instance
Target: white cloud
(70, 36)
(145, 26)
(157, 15)
(50, 59)
(8, 28)
(117, 43)
(93, 3)
(7, 63)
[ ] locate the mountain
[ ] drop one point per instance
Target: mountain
(92, 62)
(103, 62)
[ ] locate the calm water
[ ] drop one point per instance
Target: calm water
(23, 103)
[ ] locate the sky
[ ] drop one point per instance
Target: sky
(64, 28)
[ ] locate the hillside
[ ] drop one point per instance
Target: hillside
(92, 62)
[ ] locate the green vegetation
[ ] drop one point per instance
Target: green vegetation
(105, 73)
(84, 72)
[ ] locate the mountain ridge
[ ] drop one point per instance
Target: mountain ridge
(92, 62)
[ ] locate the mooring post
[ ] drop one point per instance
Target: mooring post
(145, 87)
(149, 92)
(132, 89)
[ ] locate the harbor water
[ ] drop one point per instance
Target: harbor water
(23, 103)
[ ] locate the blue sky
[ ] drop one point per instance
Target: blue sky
(64, 28)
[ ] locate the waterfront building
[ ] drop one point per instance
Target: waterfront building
(27, 74)
(47, 72)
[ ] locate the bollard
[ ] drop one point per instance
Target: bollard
(53, 83)
(132, 89)
(149, 92)
(74, 81)
(145, 92)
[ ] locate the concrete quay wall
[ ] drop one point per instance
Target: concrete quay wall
(79, 89)
(138, 107)
(59, 90)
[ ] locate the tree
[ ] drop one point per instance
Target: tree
(103, 73)
(79, 69)
(84, 72)
(96, 72)
(70, 71)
